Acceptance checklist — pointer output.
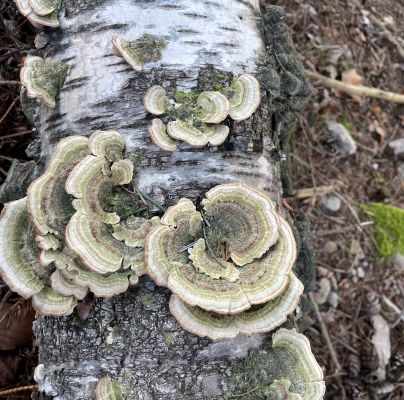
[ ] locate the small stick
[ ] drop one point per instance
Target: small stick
(150, 200)
(356, 89)
(17, 390)
(10, 83)
(326, 336)
(8, 110)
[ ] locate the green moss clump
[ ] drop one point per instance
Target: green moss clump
(168, 338)
(388, 228)
(145, 299)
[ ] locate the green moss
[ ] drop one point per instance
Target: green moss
(145, 49)
(211, 78)
(136, 158)
(346, 123)
(388, 228)
(145, 299)
(125, 204)
(168, 338)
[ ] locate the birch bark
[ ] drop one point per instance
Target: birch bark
(133, 337)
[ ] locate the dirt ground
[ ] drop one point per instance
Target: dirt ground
(333, 37)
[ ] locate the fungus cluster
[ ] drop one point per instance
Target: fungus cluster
(43, 79)
(197, 119)
(228, 264)
(77, 229)
(40, 12)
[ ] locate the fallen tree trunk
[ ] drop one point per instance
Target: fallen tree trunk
(134, 337)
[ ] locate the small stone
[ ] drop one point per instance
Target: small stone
(324, 288)
(331, 202)
(342, 138)
(397, 146)
(400, 172)
(331, 247)
(41, 40)
(360, 273)
(333, 299)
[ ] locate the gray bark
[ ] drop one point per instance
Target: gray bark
(208, 40)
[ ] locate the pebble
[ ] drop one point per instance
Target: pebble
(333, 299)
(331, 202)
(360, 273)
(330, 247)
(342, 138)
(397, 146)
(324, 288)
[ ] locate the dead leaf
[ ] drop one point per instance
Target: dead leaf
(8, 368)
(15, 324)
(381, 343)
(377, 128)
(351, 77)
(84, 309)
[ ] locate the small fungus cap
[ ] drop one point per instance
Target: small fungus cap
(250, 269)
(159, 136)
(43, 79)
(213, 107)
(37, 13)
(246, 97)
(48, 203)
(49, 302)
(155, 100)
(187, 133)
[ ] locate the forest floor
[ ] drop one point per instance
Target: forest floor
(357, 41)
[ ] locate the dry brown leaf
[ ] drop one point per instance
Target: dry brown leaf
(351, 77)
(377, 128)
(16, 324)
(8, 368)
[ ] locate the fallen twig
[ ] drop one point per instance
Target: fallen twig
(17, 390)
(356, 89)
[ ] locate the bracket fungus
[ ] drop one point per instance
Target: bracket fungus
(40, 12)
(43, 79)
(229, 265)
(245, 98)
(139, 52)
(196, 119)
(67, 236)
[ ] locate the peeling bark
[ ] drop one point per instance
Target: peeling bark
(208, 42)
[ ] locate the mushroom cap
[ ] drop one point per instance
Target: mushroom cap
(140, 51)
(155, 100)
(108, 389)
(43, 79)
(48, 203)
(70, 266)
(307, 367)
(213, 107)
(43, 7)
(262, 265)
(50, 302)
(90, 182)
(248, 217)
(91, 239)
(108, 144)
(121, 48)
(67, 287)
(158, 134)
(262, 318)
(246, 97)
(18, 250)
(37, 20)
(187, 133)
(217, 134)
(133, 230)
